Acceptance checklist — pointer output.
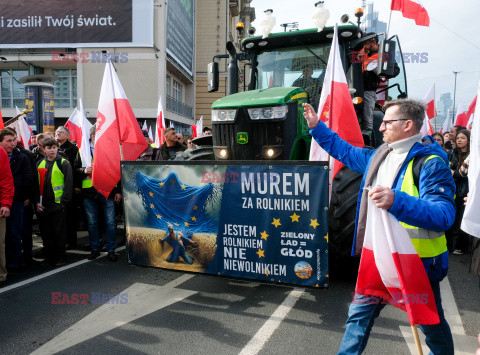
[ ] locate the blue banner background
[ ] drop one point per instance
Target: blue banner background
(269, 222)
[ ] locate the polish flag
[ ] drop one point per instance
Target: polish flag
(24, 131)
(461, 118)
(79, 128)
(160, 125)
(117, 133)
(336, 108)
(412, 9)
(2, 126)
(471, 112)
(391, 269)
(198, 128)
(471, 222)
(429, 100)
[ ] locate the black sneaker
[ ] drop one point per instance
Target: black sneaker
(93, 255)
(112, 256)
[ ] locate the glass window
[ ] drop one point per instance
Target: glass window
(169, 85)
(65, 88)
(297, 66)
(177, 91)
(12, 91)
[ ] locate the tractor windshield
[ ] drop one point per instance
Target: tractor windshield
(295, 66)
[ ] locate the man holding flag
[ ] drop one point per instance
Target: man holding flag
(422, 203)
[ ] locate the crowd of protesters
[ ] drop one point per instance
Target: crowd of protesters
(456, 143)
(48, 181)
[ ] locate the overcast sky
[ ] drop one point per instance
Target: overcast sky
(447, 52)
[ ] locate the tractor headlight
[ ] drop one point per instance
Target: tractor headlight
(225, 115)
(268, 113)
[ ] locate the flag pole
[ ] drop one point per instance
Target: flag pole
(417, 339)
(330, 115)
(116, 110)
(388, 28)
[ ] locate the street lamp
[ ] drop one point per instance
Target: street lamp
(454, 93)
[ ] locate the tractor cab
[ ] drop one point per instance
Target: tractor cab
(283, 71)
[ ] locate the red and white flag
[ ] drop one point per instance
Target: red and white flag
(198, 128)
(471, 222)
(160, 125)
(461, 117)
(391, 269)
(79, 128)
(429, 100)
(412, 9)
(116, 125)
(24, 131)
(471, 112)
(336, 108)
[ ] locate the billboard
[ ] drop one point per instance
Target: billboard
(181, 32)
(255, 221)
(76, 23)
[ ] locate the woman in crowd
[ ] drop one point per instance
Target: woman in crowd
(438, 138)
(457, 239)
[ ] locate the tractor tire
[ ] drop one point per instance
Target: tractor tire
(341, 224)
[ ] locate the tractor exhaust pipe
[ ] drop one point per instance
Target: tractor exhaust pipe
(232, 69)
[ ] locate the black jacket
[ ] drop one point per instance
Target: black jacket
(22, 175)
(164, 150)
(48, 195)
(461, 182)
(70, 150)
(33, 166)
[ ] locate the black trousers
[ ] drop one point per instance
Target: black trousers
(456, 238)
(52, 228)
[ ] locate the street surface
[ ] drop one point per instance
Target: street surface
(167, 312)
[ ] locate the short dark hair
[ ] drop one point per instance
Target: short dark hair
(50, 142)
(168, 130)
(409, 109)
(206, 129)
(6, 132)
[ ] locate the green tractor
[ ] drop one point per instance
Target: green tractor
(265, 121)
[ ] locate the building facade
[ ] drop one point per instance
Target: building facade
(159, 61)
(216, 24)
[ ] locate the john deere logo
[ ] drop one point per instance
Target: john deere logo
(242, 138)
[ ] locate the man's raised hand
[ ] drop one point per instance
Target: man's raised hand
(310, 115)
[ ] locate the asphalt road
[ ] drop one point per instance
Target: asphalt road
(167, 312)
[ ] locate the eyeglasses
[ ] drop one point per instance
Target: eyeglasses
(390, 121)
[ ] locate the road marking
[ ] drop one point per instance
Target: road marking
(265, 332)
(52, 272)
(143, 299)
(463, 343)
